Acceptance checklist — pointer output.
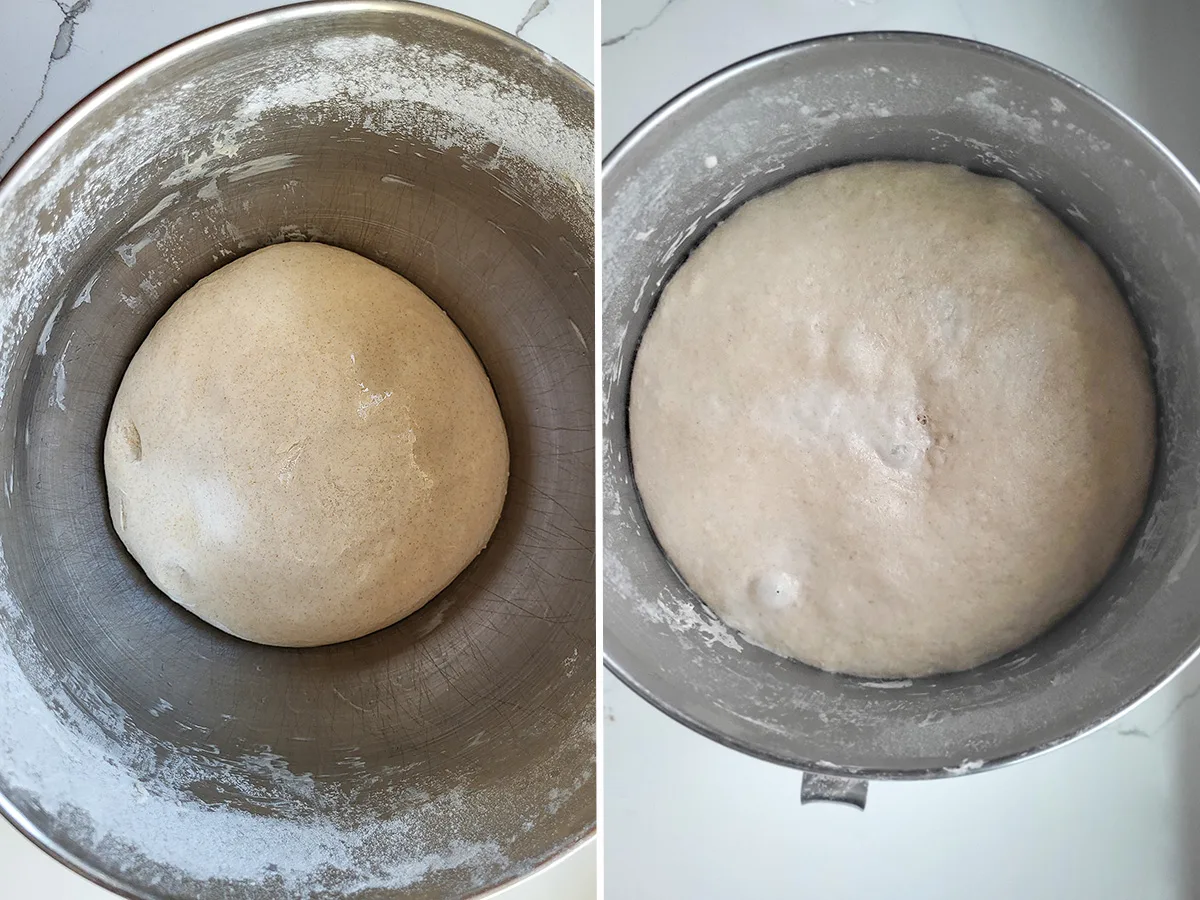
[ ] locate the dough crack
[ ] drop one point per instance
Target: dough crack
(291, 456)
(133, 440)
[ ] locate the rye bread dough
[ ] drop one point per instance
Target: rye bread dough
(892, 419)
(305, 448)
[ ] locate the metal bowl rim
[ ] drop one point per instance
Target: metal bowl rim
(20, 171)
(664, 112)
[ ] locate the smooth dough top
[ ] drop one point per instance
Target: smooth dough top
(892, 419)
(305, 448)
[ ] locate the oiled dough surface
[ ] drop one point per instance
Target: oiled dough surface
(305, 448)
(892, 419)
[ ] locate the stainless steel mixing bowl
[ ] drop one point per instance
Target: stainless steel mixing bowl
(448, 754)
(906, 96)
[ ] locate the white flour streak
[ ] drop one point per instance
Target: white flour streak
(59, 397)
(968, 765)
(1185, 557)
(681, 616)
(387, 87)
(129, 252)
(985, 101)
(154, 213)
(115, 790)
(85, 295)
(261, 166)
(45, 338)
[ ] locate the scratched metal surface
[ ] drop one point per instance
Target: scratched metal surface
(488, 692)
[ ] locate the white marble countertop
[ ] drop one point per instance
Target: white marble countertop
(1111, 817)
(52, 54)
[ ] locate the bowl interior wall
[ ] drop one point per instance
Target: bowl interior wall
(448, 753)
(846, 99)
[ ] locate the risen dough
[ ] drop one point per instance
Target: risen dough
(892, 419)
(305, 449)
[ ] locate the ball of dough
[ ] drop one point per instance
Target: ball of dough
(305, 448)
(893, 419)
